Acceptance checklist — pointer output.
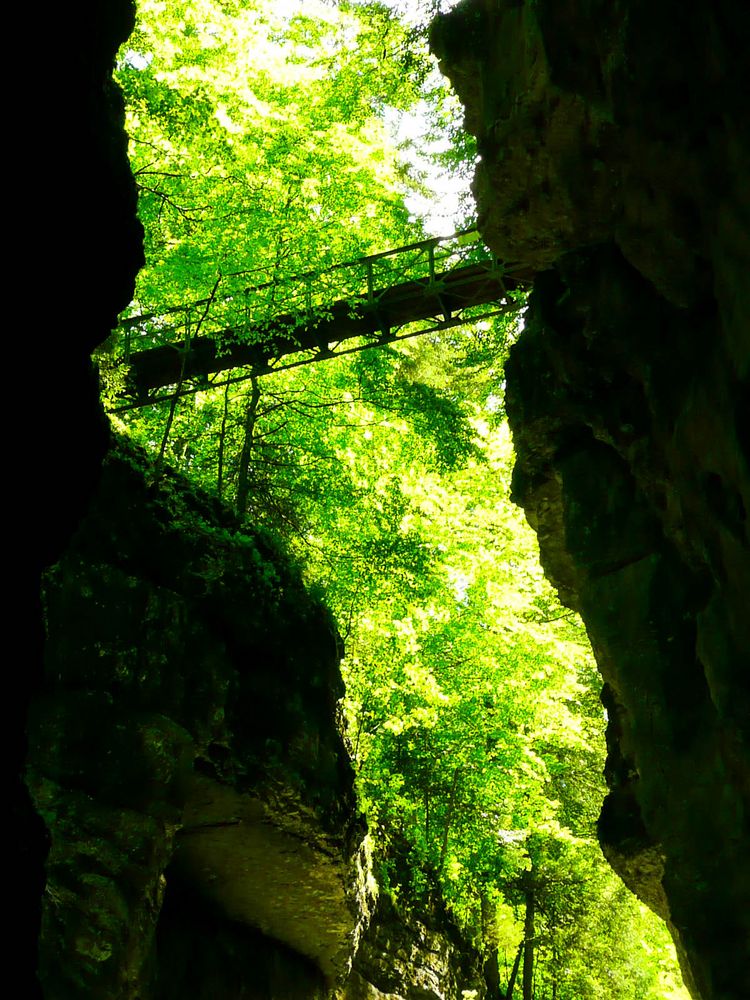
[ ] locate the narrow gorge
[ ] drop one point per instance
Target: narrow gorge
(183, 809)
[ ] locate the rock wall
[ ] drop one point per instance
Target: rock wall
(76, 247)
(185, 757)
(615, 159)
(414, 956)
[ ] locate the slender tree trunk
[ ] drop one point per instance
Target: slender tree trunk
(488, 912)
(165, 435)
(251, 418)
(222, 441)
(489, 920)
(528, 948)
(555, 963)
(514, 970)
(491, 971)
(176, 395)
(427, 815)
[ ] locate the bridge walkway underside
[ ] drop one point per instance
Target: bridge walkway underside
(382, 318)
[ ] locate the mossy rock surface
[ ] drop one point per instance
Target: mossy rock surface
(183, 652)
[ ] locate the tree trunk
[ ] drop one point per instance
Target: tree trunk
(528, 947)
(243, 477)
(514, 970)
(222, 442)
(189, 335)
(427, 816)
(491, 972)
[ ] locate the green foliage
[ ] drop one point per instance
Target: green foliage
(257, 141)
(260, 146)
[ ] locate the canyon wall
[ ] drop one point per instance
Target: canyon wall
(78, 245)
(187, 758)
(615, 160)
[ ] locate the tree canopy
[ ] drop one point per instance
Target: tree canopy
(259, 138)
(264, 144)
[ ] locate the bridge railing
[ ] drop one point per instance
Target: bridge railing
(240, 311)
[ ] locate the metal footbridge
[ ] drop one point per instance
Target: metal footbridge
(256, 330)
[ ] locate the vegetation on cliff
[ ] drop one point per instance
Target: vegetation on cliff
(261, 143)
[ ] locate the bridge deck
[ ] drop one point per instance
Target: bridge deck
(433, 301)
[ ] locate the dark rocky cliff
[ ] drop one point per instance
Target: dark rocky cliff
(615, 159)
(185, 757)
(414, 956)
(77, 245)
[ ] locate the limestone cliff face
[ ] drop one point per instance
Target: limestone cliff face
(616, 160)
(185, 757)
(415, 956)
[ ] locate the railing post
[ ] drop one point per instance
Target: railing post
(370, 283)
(431, 262)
